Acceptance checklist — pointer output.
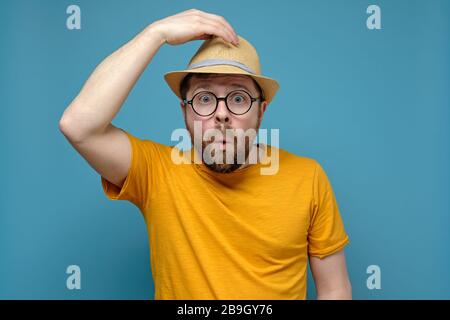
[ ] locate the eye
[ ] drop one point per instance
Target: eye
(239, 98)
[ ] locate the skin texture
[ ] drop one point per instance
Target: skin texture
(86, 122)
(330, 277)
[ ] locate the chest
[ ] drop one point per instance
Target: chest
(265, 218)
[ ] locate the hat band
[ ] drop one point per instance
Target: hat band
(214, 62)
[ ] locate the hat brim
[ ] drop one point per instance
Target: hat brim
(268, 85)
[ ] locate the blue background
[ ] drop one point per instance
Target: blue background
(372, 106)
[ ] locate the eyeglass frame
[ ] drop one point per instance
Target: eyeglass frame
(252, 99)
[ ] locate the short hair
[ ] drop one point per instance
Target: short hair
(185, 83)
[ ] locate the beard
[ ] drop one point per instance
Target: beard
(237, 151)
(234, 149)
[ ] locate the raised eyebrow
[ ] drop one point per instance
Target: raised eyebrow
(237, 85)
(205, 87)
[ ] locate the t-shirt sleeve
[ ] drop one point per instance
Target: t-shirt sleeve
(138, 184)
(326, 234)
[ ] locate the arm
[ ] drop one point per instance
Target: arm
(330, 277)
(86, 122)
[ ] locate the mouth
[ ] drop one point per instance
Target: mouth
(220, 141)
(222, 144)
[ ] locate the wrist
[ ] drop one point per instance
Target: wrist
(152, 32)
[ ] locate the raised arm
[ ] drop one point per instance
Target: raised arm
(86, 122)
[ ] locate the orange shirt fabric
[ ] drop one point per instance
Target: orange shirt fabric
(239, 235)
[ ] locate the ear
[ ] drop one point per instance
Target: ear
(263, 106)
(183, 107)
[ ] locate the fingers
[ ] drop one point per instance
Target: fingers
(204, 37)
(208, 30)
(214, 28)
(223, 22)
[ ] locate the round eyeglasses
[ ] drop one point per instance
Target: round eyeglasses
(238, 102)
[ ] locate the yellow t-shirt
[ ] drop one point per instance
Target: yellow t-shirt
(239, 235)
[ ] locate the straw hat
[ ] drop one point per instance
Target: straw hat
(217, 56)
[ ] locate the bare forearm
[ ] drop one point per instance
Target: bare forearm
(108, 86)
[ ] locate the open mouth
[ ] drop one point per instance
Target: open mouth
(222, 141)
(222, 144)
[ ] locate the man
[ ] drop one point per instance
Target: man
(217, 229)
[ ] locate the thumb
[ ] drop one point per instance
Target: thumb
(204, 37)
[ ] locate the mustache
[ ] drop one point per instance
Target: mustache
(220, 133)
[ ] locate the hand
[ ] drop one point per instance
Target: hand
(193, 25)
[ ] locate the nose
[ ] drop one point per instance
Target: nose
(222, 114)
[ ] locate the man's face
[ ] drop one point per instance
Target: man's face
(222, 119)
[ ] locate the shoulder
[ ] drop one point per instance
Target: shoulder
(147, 147)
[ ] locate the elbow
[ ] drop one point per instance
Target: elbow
(65, 126)
(78, 130)
(69, 128)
